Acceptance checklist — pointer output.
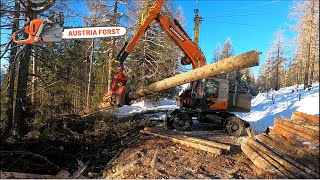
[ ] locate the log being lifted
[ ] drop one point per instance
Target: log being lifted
(241, 61)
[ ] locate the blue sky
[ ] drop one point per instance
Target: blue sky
(250, 25)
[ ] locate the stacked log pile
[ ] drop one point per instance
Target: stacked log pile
(193, 142)
(289, 150)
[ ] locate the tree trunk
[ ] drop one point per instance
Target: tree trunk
(12, 72)
(34, 80)
(90, 78)
(292, 169)
(296, 130)
(308, 162)
(303, 117)
(21, 96)
(195, 145)
(113, 44)
(306, 77)
(244, 60)
(260, 162)
(314, 58)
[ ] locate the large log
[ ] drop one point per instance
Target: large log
(260, 162)
(273, 162)
(299, 116)
(304, 133)
(186, 143)
(192, 139)
(312, 150)
(244, 60)
(293, 169)
(303, 130)
(307, 162)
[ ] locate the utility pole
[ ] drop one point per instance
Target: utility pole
(197, 21)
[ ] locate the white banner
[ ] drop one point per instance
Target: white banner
(93, 32)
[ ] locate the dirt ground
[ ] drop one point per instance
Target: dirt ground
(151, 157)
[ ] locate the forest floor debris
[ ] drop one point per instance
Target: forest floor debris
(103, 145)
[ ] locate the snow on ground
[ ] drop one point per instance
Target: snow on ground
(264, 110)
(144, 106)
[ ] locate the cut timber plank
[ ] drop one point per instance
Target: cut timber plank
(260, 162)
(299, 116)
(296, 130)
(293, 169)
(193, 139)
(186, 143)
(307, 162)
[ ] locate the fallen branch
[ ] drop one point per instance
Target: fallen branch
(34, 155)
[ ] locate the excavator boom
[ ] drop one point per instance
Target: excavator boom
(193, 55)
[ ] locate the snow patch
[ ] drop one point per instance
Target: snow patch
(286, 101)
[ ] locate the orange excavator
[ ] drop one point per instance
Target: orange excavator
(209, 100)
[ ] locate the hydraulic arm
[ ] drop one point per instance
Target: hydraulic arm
(193, 55)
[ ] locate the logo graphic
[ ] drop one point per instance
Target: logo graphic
(93, 32)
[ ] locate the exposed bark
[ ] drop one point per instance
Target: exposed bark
(306, 73)
(281, 134)
(34, 80)
(299, 116)
(186, 143)
(193, 139)
(296, 130)
(90, 77)
(227, 65)
(21, 98)
(308, 162)
(260, 162)
(12, 72)
(294, 170)
(113, 44)
(272, 161)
